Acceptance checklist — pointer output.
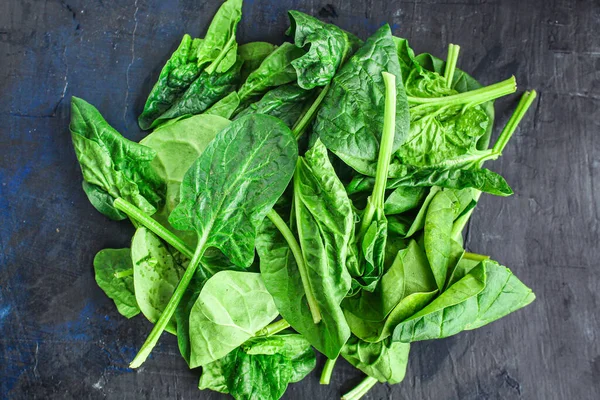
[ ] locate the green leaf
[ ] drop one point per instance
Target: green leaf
(326, 214)
(404, 198)
(201, 94)
(275, 70)
(228, 191)
(406, 287)
(177, 146)
(112, 164)
(182, 313)
(176, 76)
(329, 46)
(156, 273)
(253, 54)
(219, 47)
(385, 361)
(284, 102)
(261, 368)
(108, 262)
(231, 308)
(350, 120)
(225, 107)
(443, 252)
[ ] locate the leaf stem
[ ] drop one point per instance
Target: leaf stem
(509, 129)
(451, 60)
(511, 126)
(376, 199)
(475, 256)
(302, 123)
(360, 390)
(159, 230)
(472, 97)
(327, 371)
(124, 273)
(273, 328)
(169, 310)
(297, 252)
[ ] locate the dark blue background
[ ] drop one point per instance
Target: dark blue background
(61, 338)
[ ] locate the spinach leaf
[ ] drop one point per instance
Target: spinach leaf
(230, 309)
(155, 275)
(253, 54)
(183, 311)
(176, 76)
(225, 107)
(275, 70)
(487, 292)
(111, 165)
(226, 194)
(407, 286)
(385, 361)
(329, 47)
(219, 48)
(108, 263)
(205, 91)
(350, 119)
(177, 145)
(443, 252)
(403, 199)
(260, 368)
(285, 102)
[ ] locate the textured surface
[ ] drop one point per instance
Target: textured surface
(62, 338)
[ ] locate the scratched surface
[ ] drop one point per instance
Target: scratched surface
(61, 338)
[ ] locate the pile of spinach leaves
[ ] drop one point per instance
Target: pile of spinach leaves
(305, 196)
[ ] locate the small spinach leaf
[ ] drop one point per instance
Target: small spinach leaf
(385, 361)
(230, 309)
(107, 263)
(225, 107)
(253, 54)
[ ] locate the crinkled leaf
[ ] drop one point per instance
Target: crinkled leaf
(350, 120)
(108, 262)
(385, 361)
(113, 164)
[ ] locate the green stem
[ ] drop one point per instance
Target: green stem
(273, 328)
(297, 252)
(385, 154)
(160, 231)
(327, 371)
(169, 310)
(361, 389)
(451, 60)
(124, 273)
(302, 123)
(475, 256)
(472, 97)
(511, 126)
(509, 129)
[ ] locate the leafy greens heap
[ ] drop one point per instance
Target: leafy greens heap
(308, 195)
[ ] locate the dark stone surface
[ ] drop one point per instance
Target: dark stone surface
(61, 338)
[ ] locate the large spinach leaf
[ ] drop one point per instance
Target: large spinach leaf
(260, 368)
(231, 308)
(329, 47)
(156, 273)
(385, 361)
(350, 120)
(219, 48)
(111, 165)
(108, 263)
(487, 292)
(226, 194)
